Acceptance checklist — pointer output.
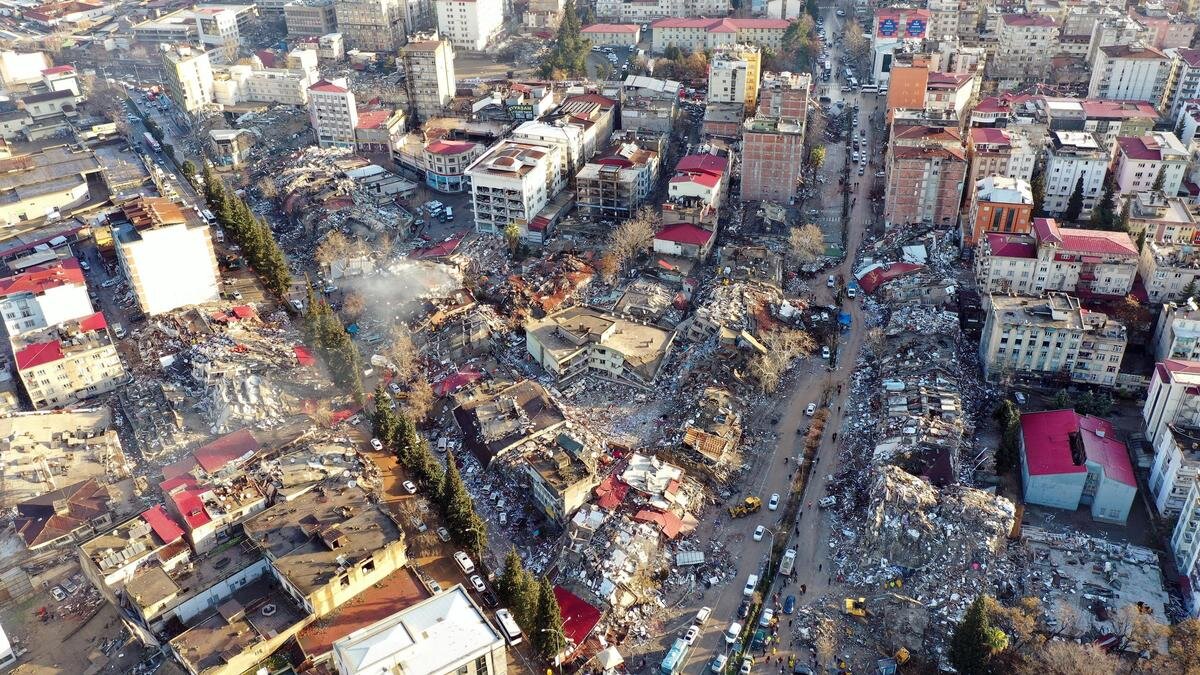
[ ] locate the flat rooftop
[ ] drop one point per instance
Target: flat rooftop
(396, 592)
(255, 613)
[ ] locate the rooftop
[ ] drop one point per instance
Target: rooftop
(1062, 441)
(255, 613)
(1077, 240)
(313, 537)
(722, 25)
(494, 421)
(611, 28)
(425, 638)
(1133, 52)
(510, 158)
(642, 347)
(47, 345)
(397, 591)
(40, 278)
(1011, 245)
(1038, 20)
(1154, 147)
(47, 517)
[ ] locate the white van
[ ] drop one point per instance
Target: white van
(464, 562)
(512, 632)
(751, 583)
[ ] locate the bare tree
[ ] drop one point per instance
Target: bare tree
(632, 236)
(1020, 622)
(782, 348)
(814, 129)
(1183, 649)
(403, 352)
(419, 400)
(1140, 631)
(334, 248)
(608, 267)
(806, 243)
(353, 305)
(266, 188)
(1063, 657)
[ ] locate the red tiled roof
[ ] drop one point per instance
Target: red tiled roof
(611, 493)
(304, 356)
(611, 28)
(440, 249)
(1008, 246)
(185, 493)
(668, 523)
(579, 617)
(213, 456)
(880, 276)
(1133, 52)
(723, 24)
(328, 87)
(950, 80)
(990, 136)
(39, 353)
(442, 147)
(1046, 230)
(1189, 56)
(1107, 109)
(685, 233)
(1048, 449)
(40, 278)
(454, 381)
(163, 524)
(59, 69)
(707, 180)
(93, 322)
(42, 519)
(703, 163)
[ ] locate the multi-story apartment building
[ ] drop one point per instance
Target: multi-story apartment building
(1087, 263)
(1114, 29)
(583, 341)
(1025, 43)
(1169, 270)
(773, 140)
(1172, 418)
(1073, 155)
(998, 204)
(943, 18)
(217, 27)
(470, 25)
(446, 163)
(333, 113)
(1184, 84)
(371, 25)
(1177, 332)
(188, 74)
(698, 35)
(429, 77)
(310, 18)
(897, 30)
(68, 362)
(615, 185)
(1142, 160)
(629, 11)
(580, 127)
(512, 182)
(1185, 547)
(544, 14)
(1050, 339)
(1130, 73)
(44, 295)
(993, 151)
(1171, 220)
(733, 75)
(167, 259)
(1163, 29)
(926, 169)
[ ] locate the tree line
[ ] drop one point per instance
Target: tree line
(532, 602)
(325, 333)
(248, 232)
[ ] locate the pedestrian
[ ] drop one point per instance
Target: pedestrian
(819, 567)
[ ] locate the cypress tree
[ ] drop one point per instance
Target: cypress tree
(974, 641)
(548, 636)
(1075, 203)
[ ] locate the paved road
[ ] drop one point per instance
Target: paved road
(812, 562)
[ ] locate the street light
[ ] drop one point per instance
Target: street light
(567, 642)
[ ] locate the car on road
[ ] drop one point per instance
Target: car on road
(732, 633)
(826, 502)
(702, 615)
(409, 487)
(743, 609)
(464, 562)
(377, 444)
(443, 534)
(764, 619)
(434, 586)
(751, 584)
(477, 583)
(58, 594)
(394, 388)
(851, 293)
(811, 409)
(759, 532)
(773, 504)
(718, 663)
(1019, 398)
(69, 586)
(692, 634)
(84, 265)
(489, 599)
(789, 604)
(825, 353)
(747, 666)
(830, 282)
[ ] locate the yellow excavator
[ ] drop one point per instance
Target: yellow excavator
(748, 506)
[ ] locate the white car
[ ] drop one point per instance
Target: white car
(765, 619)
(759, 532)
(58, 594)
(830, 282)
(464, 562)
(851, 293)
(409, 487)
(718, 663)
(443, 534)
(377, 444)
(477, 583)
(773, 504)
(747, 666)
(692, 634)
(825, 353)
(811, 409)
(732, 633)
(702, 615)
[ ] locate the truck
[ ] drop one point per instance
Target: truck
(788, 563)
(151, 142)
(748, 506)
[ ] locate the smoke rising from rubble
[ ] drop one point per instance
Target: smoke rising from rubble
(391, 295)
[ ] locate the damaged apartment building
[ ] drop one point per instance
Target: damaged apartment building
(585, 341)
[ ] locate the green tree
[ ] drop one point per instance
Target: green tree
(1062, 400)
(455, 500)
(518, 590)
(1037, 186)
(188, 169)
(1159, 180)
(1122, 224)
(548, 637)
(1008, 451)
(512, 234)
(1075, 203)
(975, 640)
(569, 54)
(800, 45)
(816, 157)
(384, 423)
(1104, 214)
(1189, 291)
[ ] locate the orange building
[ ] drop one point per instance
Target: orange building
(998, 204)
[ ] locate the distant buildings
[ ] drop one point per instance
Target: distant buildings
(470, 25)
(698, 35)
(1050, 338)
(614, 34)
(1130, 73)
(1069, 460)
(616, 184)
(310, 18)
(733, 76)
(429, 77)
(371, 25)
(1089, 263)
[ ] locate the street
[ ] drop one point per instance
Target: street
(772, 475)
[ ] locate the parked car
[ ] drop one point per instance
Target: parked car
(747, 666)
(718, 663)
(825, 353)
(409, 487)
(789, 604)
(759, 532)
(773, 504)
(811, 409)
(692, 634)
(477, 583)
(443, 534)
(464, 562)
(732, 633)
(830, 282)
(58, 594)
(377, 444)
(764, 619)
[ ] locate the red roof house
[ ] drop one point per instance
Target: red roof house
(1068, 460)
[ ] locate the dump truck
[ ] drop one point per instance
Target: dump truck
(748, 506)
